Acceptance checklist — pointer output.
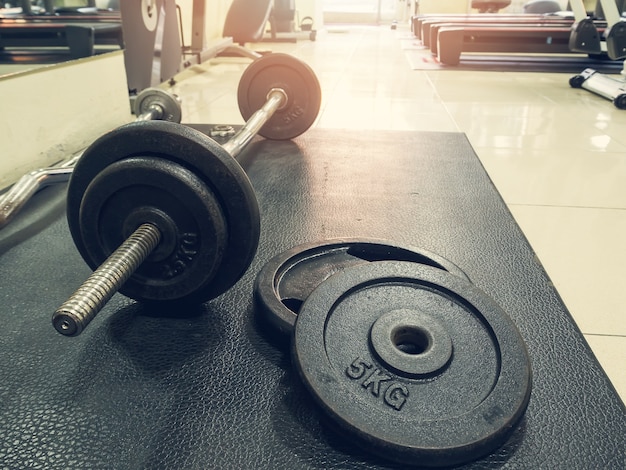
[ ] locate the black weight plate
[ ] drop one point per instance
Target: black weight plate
(202, 156)
(193, 230)
(296, 79)
(620, 101)
(288, 279)
(418, 365)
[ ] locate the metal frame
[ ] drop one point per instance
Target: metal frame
(608, 87)
(502, 27)
(149, 62)
(452, 41)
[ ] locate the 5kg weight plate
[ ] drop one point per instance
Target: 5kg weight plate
(296, 79)
(153, 190)
(416, 364)
(213, 184)
(288, 279)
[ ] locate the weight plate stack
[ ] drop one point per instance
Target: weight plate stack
(416, 364)
(284, 283)
(185, 184)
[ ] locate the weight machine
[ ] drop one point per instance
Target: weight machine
(448, 36)
(586, 38)
(156, 52)
(48, 32)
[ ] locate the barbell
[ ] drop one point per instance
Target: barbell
(163, 213)
(150, 104)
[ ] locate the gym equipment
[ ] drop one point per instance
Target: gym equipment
(417, 365)
(540, 38)
(148, 389)
(60, 14)
(544, 34)
(246, 20)
(306, 24)
(527, 33)
(490, 6)
(281, 76)
(164, 213)
(599, 10)
(155, 51)
(287, 280)
(453, 41)
(150, 104)
(586, 37)
(541, 6)
(418, 22)
(49, 7)
(282, 16)
(429, 27)
(79, 37)
(77, 28)
(613, 89)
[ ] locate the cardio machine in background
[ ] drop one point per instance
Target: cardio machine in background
(586, 38)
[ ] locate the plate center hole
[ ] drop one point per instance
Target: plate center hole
(411, 340)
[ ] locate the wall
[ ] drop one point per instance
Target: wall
(312, 8)
(52, 112)
(438, 6)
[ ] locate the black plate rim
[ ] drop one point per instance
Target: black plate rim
(321, 379)
(193, 149)
(266, 284)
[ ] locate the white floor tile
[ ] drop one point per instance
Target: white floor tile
(583, 252)
(578, 177)
(611, 353)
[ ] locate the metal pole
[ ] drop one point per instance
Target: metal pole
(276, 99)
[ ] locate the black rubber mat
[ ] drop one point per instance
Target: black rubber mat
(206, 387)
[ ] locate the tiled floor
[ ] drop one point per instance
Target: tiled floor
(556, 154)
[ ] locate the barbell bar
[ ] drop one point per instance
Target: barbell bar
(163, 213)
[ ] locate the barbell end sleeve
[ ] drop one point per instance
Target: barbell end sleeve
(73, 316)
